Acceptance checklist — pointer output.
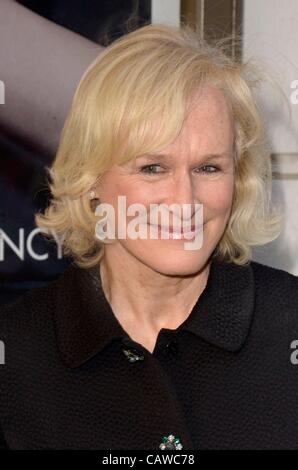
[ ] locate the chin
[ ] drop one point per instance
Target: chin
(190, 267)
(175, 264)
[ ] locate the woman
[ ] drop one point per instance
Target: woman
(144, 343)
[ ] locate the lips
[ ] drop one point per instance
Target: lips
(191, 228)
(177, 233)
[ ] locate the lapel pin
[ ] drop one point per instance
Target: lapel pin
(131, 356)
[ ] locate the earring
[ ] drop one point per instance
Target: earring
(92, 195)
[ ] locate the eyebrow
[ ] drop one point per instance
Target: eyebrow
(164, 156)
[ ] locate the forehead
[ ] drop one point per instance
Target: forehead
(209, 121)
(208, 106)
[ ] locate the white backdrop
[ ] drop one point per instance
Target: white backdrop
(271, 37)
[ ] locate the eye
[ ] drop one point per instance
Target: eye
(149, 169)
(216, 169)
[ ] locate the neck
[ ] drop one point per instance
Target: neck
(137, 297)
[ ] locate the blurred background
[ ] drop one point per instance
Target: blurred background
(44, 49)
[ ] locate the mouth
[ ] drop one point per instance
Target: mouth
(178, 233)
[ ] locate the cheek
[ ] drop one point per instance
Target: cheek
(111, 191)
(218, 199)
(135, 193)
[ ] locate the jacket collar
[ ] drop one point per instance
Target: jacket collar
(85, 324)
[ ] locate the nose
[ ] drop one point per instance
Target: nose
(183, 191)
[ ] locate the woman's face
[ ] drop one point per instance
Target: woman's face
(186, 175)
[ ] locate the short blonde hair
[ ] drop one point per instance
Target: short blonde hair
(146, 76)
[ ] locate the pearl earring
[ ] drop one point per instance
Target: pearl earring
(92, 195)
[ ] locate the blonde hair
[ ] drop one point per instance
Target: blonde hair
(144, 77)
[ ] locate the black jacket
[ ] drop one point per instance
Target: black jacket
(227, 378)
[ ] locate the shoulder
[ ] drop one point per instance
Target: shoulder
(33, 311)
(265, 272)
(25, 325)
(276, 295)
(272, 282)
(28, 330)
(29, 305)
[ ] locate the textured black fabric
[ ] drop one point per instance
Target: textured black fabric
(222, 380)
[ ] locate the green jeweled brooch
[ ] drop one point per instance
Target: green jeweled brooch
(171, 443)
